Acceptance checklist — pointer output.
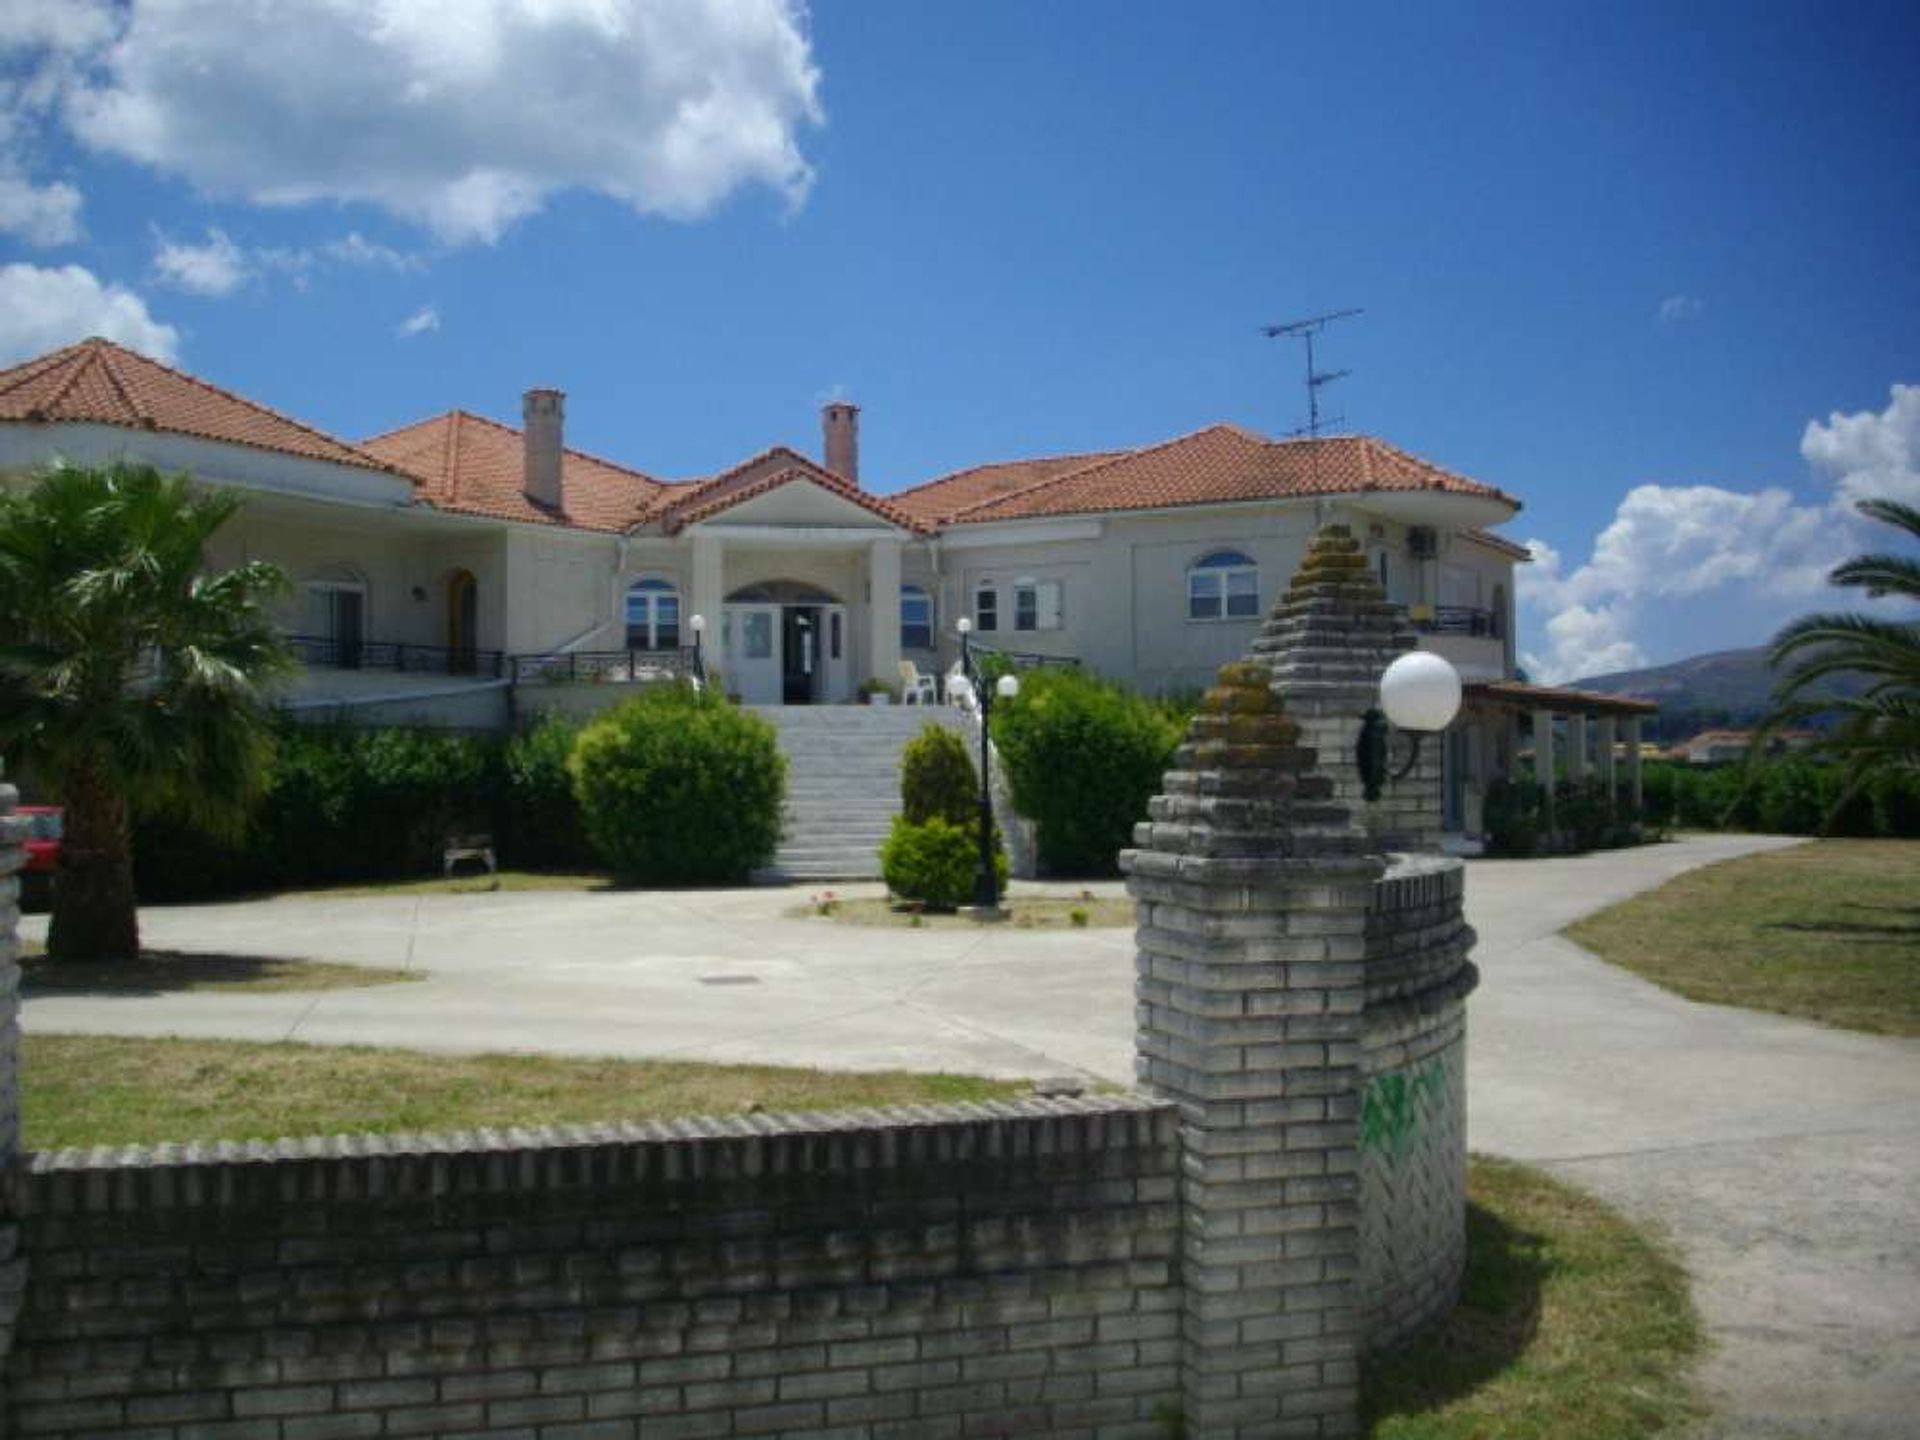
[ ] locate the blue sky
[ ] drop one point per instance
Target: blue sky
(1615, 260)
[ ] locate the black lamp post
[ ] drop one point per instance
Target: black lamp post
(698, 624)
(986, 884)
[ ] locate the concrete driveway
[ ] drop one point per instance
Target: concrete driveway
(1782, 1156)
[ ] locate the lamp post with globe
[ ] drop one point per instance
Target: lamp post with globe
(986, 884)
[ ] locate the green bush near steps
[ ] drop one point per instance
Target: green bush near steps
(937, 778)
(935, 862)
(1083, 756)
(680, 787)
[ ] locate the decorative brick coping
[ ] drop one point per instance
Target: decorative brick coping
(227, 1175)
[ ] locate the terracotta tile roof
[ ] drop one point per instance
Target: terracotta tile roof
(1558, 697)
(475, 466)
(697, 500)
(1222, 464)
(1511, 548)
(935, 500)
(99, 382)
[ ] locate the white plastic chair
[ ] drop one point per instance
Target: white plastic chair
(915, 688)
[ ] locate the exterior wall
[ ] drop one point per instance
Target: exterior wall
(1413, 1114)
(997, 1270)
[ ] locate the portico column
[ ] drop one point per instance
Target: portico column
(1576, 748)
(710, 593)
(1543, 758)
(1633, 761)
(883, 609)
(1609, 774)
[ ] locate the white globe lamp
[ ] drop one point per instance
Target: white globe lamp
(1420, 692)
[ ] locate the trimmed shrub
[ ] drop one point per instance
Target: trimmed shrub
(1084, 757)
(1513, 818)
(934, 861)
(937, 778)
(680, 787)
(540, 825)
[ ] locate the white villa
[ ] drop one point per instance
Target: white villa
(460, 571)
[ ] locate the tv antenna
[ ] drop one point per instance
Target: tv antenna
(1306, 330)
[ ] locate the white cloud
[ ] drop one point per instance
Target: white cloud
(38, 214)
(43, 309)
(1870, 455)
(1676, 308)
(353, 248)
(460, 115)
(419, 323)
(1680, 559)
(219, 267)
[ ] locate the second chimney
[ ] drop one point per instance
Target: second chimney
(544, 416)
(840, 426)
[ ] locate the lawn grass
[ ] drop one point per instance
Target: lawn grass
(165, 972)
(1572, 1325)
(1023, 912)
(98, 1090)
(1827, 931)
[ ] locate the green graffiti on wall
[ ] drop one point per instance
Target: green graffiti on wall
(1395, 1105)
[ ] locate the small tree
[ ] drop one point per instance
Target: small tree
(1878, 736)
(937, 778)
(130, 677)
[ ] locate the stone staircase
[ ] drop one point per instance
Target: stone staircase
(843, 784)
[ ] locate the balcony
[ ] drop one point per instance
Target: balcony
(350, 653)
(606, 667)
(1455, 620)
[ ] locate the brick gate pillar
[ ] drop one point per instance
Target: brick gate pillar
(1253, 881)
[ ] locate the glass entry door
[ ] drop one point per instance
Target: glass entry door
(752, 651)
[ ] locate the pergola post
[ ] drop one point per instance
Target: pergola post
(1607, 741)
(1633, 762)
(1577, 748)
(1543, 758)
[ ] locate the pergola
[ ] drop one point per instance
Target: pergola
(1595, 728)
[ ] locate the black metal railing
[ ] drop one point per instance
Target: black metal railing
(1458, 620)
(992, 655)
(350, 653)
(606, 667)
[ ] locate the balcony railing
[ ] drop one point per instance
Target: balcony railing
(346, 653)
(1457, 620)
(606, 667)
(1022, 659)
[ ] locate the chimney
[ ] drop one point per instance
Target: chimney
(840, 426)
(544, 414)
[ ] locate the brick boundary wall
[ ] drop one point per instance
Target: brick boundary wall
(1413, 1111)
(993, 1269)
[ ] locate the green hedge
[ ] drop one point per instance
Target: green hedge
(345, 805)
(680, 787)
(1083, 756)
(1793, 795)
(937, 778)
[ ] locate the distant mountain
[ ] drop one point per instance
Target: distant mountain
(1726, 687)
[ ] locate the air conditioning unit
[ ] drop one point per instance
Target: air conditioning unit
(1422, 542)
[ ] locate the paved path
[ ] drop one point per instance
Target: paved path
(1783, 1157)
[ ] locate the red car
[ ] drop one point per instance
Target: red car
(46, 825)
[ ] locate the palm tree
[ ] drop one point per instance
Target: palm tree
(1879, 729)
(130, 677)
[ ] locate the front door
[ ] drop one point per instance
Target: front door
(752, 651)
(799, 653)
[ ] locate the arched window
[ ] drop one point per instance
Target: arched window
(653, 615)
(1223, 586)
(916, 618)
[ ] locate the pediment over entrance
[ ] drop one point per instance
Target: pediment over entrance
(800, 501)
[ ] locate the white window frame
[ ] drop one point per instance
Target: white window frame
(1042, 600)
(649, 591)
(986, 617)
(916, 594)
(1211, 582)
